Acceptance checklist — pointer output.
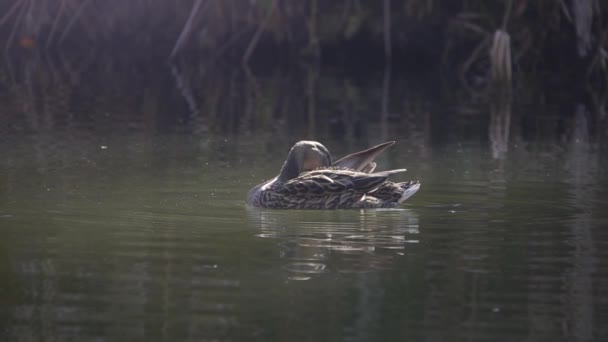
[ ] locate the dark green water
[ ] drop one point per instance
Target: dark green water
(148, 238)
(123, 216)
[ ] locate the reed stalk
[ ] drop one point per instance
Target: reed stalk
(583, 11)
(73, 20)
(187, 28)
(475, 27)
(258, 33)
(387, 32)
(14, 30)
(500, 57)
(62, 6)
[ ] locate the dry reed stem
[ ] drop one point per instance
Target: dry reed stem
(500, 56)
(17, 23)
(258, 33)
(77, 15)
(583, 11)
(187, 27)
(387, 31)
(10, 11)
(386, 96)
(507, 15)
(313, 40)
(564, 9)
(60, 11)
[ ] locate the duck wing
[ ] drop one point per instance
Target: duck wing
(363, 160)
(328, 182)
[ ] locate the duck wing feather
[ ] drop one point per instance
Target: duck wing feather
(327, 182)
(362, 160)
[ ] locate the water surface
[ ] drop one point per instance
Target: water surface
(123, 216)
(138, 238)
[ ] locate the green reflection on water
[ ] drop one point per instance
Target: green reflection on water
(150, 237)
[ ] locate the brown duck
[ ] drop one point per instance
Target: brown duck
(310, 180)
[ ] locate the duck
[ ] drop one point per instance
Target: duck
(309, 179)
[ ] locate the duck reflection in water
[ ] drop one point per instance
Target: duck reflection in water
(310, 180)
(337, 241)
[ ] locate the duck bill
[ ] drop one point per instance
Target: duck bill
(362, 160)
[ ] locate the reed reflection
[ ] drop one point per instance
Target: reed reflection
(500, 121)
(582, 166)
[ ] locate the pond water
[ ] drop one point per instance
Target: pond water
(141, 234)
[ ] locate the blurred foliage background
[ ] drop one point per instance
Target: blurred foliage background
(481, 50)
(545, 34)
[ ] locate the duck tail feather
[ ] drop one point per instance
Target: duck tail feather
(409, 189)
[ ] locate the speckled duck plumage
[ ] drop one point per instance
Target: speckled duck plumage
(310, 180)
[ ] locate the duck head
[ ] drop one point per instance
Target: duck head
(304, 156)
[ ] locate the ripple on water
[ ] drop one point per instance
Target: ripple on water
(158, 248)
(80, 270)
(358, 238)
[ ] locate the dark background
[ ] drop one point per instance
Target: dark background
(311, 67)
